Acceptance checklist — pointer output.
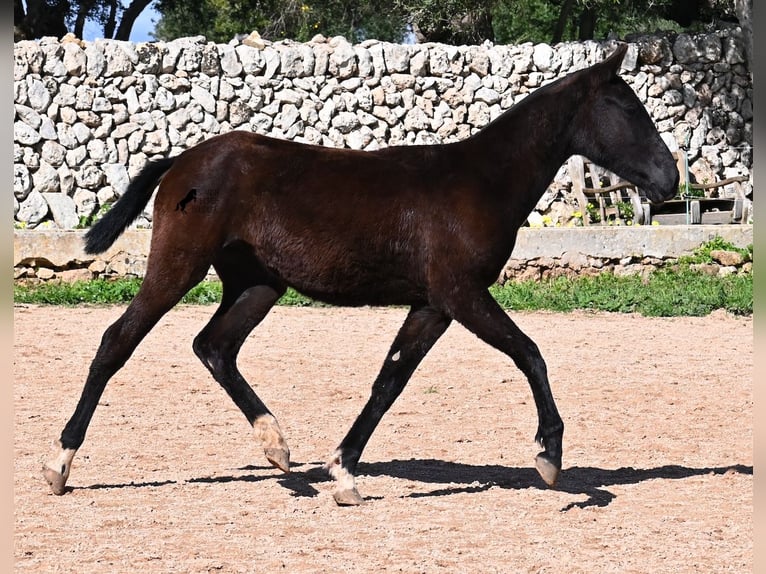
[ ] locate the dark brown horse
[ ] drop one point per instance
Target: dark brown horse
(429, 227)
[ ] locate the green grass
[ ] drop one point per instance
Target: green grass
(665, 293)
(115, 291)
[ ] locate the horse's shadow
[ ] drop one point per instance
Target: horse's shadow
(577, 480)
(456, 478)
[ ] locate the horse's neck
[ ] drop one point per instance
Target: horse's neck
(525, 147)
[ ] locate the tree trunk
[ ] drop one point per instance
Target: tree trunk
(42, 18)
(111, 21)
(83, 11)
(587, 24)
(129, 16)
(561, 23)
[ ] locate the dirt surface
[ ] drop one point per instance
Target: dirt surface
(658, 449)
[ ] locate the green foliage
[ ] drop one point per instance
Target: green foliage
(221, 20)
(87, 221)
(666, 292)
(100, 291)
(115, 291)
(524, 21)
(702, 253)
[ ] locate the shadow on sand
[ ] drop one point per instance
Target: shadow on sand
(458, 478)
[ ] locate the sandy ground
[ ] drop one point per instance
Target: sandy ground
(657, 462)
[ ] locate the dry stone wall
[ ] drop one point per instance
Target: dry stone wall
(88, 115)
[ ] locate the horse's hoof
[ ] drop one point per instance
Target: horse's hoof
(278, 457)
(55, 480)
(348, 497)
(549, 471)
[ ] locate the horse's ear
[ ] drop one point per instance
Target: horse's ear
(611, 66)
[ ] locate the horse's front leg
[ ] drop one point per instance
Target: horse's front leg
(481, 315)
(420, 331)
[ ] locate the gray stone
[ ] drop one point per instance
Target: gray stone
(53, 153)
(209, 60)
(272, 60)
(67, 183)
(76, 156)
(288, 96)
(95, 60)
(543, 57)
(204, 98)
(53, 65)
(342, 61)
(734, 49)
(478, 114)
(33, 209)
(287, 117)
(230, 64)
(81, 132)
(20, 66)
(156, 142)
(31, 158)
(251, 59)
(25, 134)
(63, 209)
(397, 57)
(86, 202)
(97, 151)
(190, 58)
(710, 47)
(38, 95)
(148, 58)
(118, 60)
(117, 177)
(365, 66)
(685, 49)
(487, 95)
(29, 116)
(22, 181)
(416, 119)
(345, 122)
(75, 61)
(88, 176)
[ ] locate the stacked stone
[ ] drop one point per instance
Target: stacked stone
(89, 115)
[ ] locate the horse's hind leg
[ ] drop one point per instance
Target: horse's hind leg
(481, 314)
(248, 295)
(420, 331)
(164, 285)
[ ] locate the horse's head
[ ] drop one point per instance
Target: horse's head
(614, 130)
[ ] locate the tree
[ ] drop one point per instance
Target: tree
(37, 18)
(450, 21)
(221, 20)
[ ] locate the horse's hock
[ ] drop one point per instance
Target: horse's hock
(88, 115)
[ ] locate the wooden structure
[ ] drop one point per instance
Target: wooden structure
(696, 203)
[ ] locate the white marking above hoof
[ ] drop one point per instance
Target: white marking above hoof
(56, 470)
(269, 435)
(345, 493)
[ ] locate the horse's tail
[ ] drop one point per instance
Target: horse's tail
(127, 209)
